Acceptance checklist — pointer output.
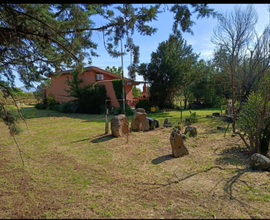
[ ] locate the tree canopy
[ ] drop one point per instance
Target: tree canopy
(36, 39)
(114, 70)
(172, 67)
(243, 55)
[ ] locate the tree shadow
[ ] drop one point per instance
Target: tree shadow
(236, 155)
(31, 112)
(162, 159)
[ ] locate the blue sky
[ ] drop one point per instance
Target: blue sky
(200, 41)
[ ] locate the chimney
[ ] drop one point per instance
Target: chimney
(144, 87)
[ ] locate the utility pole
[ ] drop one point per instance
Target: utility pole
(123, 83)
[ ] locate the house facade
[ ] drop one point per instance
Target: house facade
(90, 75)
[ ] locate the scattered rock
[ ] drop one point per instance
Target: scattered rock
(153, 123)
(220, 128)
(192, 131)
(139, 122)
(260, 162)
(167, 123)
(229, 119)
(177, 144)
(142, 110)
(119, 125)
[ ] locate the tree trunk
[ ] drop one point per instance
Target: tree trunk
(185, 102)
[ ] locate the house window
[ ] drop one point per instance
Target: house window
(99, 77)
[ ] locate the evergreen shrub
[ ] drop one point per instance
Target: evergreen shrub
(145, 104)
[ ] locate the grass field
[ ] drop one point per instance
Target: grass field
(73, 170)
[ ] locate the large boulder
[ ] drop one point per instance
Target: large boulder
(142, 110)
(192, 131)
(260, 162)
(177, 144)
(119, 125)
(139, 122)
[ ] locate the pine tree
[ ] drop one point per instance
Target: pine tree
(172, 67)
(37, 38)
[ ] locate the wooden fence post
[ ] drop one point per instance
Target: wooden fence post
(106, 118)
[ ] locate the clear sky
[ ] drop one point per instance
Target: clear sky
(200, 41)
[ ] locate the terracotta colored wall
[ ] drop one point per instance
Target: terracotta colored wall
(58, 85)
(57, 89)
(128, 89)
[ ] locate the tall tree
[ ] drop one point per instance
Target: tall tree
(170, 67)
(136, 92)
(37, 38)
(208, 89)
(245, 56)
(241, 52)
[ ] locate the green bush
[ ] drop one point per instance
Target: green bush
(57, 107)
(250, 121)
(119, 110)
(69, 107)
(145, 104)
(118, 88)
(51, 100)
(48, 103)
(92, 100)
(41, 106)
(168, 105)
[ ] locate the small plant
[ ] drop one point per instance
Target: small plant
(144, 204)
(179, 126)
(193, 117)
(154, 204)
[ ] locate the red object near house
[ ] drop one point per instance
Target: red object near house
(90, 75)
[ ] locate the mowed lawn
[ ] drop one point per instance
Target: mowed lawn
(71, 169)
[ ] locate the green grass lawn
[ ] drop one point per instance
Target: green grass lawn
(73, 170)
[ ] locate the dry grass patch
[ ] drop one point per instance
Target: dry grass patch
(73, 170)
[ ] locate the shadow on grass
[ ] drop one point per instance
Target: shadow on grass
(236, 155)
(102, 138)
(162, 159)
(98, 138)
(227, 187)
(29, 112)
